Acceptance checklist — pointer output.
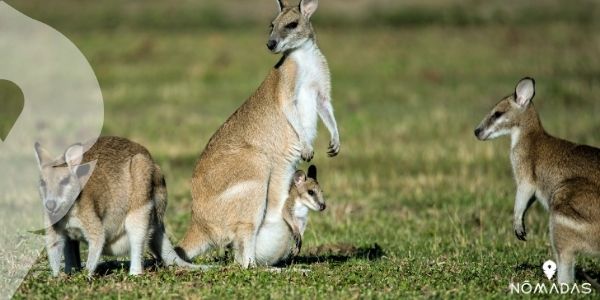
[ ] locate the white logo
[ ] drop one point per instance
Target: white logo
(549, 268)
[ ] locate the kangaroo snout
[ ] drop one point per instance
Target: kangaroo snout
(322, 206)
(272, 44)
(478, 132)
(50, 205)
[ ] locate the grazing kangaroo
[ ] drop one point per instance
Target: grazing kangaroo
(563, 176)
(119, 210)
(242, 177)
(273, 244)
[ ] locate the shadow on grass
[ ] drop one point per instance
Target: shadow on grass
(110, 267)
(527, 266)
(327, 253)
(589, 276)
(337, 253)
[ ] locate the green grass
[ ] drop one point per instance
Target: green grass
(410, 178)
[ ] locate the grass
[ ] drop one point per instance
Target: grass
(411, 178)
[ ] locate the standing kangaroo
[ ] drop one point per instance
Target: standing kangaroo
(119, 210)
(563, 176)
(242, 177)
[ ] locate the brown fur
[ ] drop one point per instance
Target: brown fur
(281, 32)
(242, 177)
(256, 145)
(122, 204)
(563, 175)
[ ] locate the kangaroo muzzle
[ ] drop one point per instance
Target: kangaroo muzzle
(50, 205)
(478, 132)
(272, 44)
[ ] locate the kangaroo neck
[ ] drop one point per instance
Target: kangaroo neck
(528, 130)
(305, 52)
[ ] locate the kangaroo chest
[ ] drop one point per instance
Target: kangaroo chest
(74, 227)
(311, 85)
(524, 170)
(301, 216)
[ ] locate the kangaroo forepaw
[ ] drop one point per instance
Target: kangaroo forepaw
(334, 148)
(520, 232)
(307, 153)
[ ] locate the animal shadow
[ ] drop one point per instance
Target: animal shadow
(528, 266)
(589, 276)
(337, 253)
(110, 267)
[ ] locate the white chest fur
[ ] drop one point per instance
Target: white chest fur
(273, 242)
(313, 82)
(274, 239)
(301, 216)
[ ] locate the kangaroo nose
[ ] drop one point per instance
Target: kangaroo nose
(477, 132)
(271, 44)
(322, 206)
(50, 205)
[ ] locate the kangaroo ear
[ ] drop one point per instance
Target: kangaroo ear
(308, 7)
(84, 172)
(312, 172)
(74, 156)
(41, 155)
(282, 4)
(525, 91)
(299, 177)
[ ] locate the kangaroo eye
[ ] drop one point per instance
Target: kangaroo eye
(271, 26)
(311, 192)
(498, 114)
(292, 25)
(64, 181)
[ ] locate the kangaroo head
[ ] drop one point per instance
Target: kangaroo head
(309, 191)
(509, 114)
(60, 185)
(291, 28)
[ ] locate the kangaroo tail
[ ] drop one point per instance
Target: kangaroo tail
(164, 249)
(161, 245)
(160, 196)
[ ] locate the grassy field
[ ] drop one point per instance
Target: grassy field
(416, 206)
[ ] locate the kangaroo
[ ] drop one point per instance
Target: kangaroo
(120, 209)
(273, 242)
(563, 176)
(242, 177)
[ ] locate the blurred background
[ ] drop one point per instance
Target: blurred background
(416, 206)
